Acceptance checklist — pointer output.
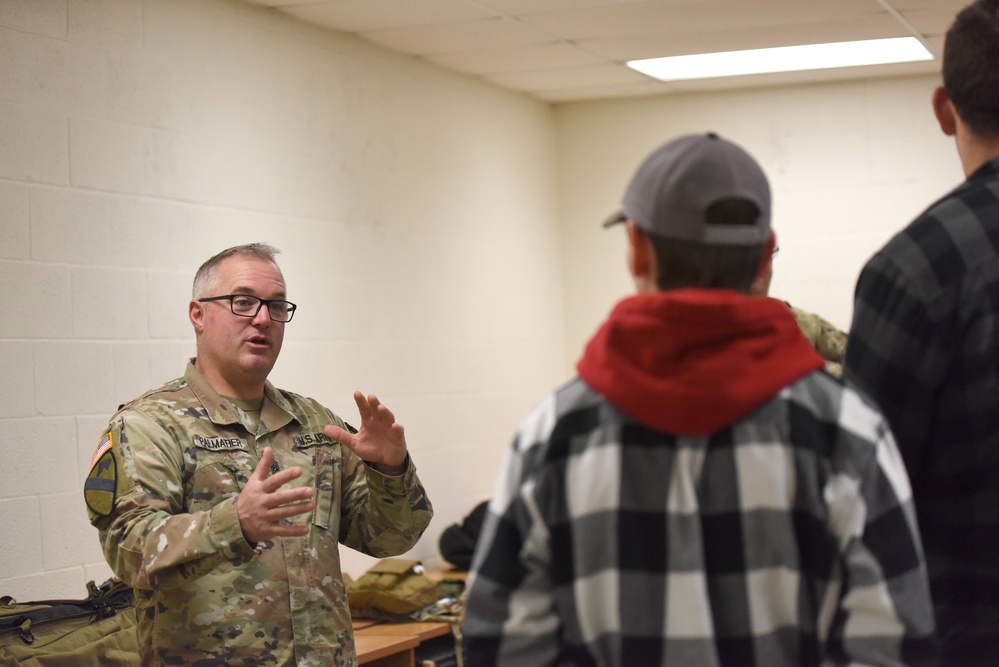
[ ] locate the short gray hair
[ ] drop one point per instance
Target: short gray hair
(206, 279)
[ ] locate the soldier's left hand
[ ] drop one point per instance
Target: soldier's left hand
(380, 441)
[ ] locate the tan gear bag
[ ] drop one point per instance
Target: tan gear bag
(392, 587)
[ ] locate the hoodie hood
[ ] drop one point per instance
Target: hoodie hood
(694, 361)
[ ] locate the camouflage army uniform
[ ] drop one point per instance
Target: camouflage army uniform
(162, 492)
(827, 340)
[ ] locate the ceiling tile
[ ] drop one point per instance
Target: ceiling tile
(655, 18)
(368, 15)
(490, 33)
(528, 7)
(931, 21)
(561, 50)
(950, 6)
(285, 3)
(540, 56)
(567, 77)
(600, 92)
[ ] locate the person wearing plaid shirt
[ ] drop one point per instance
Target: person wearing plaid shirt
(924, 344)
(703, 493)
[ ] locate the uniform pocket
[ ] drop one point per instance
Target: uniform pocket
(327, 466)
(217, 477)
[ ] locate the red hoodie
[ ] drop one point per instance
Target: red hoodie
(694, 361)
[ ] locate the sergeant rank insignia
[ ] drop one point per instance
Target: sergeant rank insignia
(100, 489)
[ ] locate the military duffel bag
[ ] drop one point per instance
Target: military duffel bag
(98, 631)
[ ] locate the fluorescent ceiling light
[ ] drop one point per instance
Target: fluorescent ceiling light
(784, 59)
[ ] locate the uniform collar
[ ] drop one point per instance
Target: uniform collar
(275, 412)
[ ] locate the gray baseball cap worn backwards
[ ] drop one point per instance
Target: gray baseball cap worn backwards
(680, 189)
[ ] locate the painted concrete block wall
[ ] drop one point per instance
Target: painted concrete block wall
(849, 163)
(415, 210)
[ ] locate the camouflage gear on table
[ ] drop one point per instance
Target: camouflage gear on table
(166, 513)
(827, 340)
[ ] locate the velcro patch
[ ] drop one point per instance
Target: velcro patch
(310, 439)
(218, 443)
(100, 490)
(104, 446)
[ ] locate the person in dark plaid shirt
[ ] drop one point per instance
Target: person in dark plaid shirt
(924, 344)
(703, 494)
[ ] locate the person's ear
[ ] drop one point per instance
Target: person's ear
(943, 109)
(643, 263)
(639, 252)
(761, 283)
(196, 313)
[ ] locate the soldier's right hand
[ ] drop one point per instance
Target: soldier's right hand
(263, 505)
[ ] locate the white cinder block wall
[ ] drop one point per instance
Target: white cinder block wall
(441, 237)
(415, 211)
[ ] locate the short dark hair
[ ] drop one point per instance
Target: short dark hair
(692, 264)
(716, 266)
(971, 66)
(207, 275)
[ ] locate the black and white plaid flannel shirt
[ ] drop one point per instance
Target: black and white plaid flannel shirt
(787, 539)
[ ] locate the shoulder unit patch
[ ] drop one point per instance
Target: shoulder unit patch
(100, 490)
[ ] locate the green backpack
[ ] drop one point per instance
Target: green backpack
(98, 631)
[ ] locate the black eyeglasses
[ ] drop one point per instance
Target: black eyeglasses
(245, 305)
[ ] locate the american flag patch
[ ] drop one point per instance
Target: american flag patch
(101, 449)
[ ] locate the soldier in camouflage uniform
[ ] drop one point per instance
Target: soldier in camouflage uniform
(827, 340)
(222, 500)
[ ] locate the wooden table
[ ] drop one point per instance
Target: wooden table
(386, 650)
(393, 644)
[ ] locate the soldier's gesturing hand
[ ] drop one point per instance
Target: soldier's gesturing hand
(380, 441)
(263, 505)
